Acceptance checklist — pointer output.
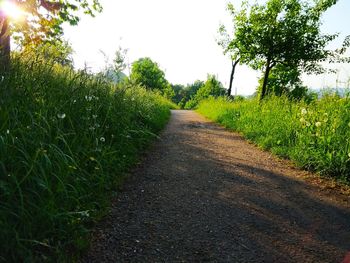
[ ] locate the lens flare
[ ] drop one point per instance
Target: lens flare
(11, 10)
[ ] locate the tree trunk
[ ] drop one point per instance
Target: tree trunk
(5, 45)
(266, 79)
(234, 64)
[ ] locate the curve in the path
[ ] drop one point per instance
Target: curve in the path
(203, 194)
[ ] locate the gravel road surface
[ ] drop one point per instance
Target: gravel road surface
(204, 194)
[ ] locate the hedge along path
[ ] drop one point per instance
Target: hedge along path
(203, 193)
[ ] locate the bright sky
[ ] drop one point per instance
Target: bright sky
(180, 36)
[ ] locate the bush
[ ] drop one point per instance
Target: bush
(65, 140)
(211, 88)
(316, 135)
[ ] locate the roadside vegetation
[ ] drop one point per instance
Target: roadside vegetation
(187, 97)
(283, 39)
(66, 138)
(315, 135)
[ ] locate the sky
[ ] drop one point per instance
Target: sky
(180, 35)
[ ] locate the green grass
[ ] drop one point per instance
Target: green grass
(316, 136)
(66, 139)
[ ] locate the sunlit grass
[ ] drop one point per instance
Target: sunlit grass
(65, 140)
(316, 135)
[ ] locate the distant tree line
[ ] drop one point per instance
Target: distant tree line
(147, 73)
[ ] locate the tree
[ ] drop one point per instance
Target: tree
(284, 79)
(212, 87)
(148, 74)
(189, 92)
(42, 21)
(233, 51)
(282, 32)
(178, 92)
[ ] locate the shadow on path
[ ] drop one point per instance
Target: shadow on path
(203, 194)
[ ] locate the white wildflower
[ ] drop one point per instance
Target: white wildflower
(318, 124)
(303, 111)
(102, 139)
(61, 116)
(85, 213)
(8, 131)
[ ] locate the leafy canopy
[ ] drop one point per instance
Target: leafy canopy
(211, 88)
(148, 74)
(280, 32)
(44, 19)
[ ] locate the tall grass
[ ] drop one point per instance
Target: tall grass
(65, 140)
(316, 135)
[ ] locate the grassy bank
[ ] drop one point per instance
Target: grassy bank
(315, 136)
(65, 140)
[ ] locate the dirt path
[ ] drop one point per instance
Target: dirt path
(203, 194)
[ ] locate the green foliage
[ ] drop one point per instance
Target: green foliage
(285, 33)
(66, 139)
(315, 135)
(211, 88)
(114, 71)
(45, 18)
(119, 61)
(57, 51)
(189, 92)
(285, 80)
(178, 92)
(42, 23)
(147, 73)
(168, 92)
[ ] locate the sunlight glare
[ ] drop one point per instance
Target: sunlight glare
(12, 10)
